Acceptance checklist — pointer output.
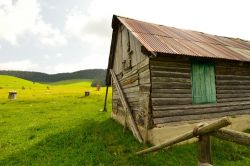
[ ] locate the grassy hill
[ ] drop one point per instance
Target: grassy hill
(60, 126)
(43, 77)
(10, 82)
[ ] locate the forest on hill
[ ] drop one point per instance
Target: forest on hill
(98, 75)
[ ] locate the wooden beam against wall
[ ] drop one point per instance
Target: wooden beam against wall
(126, 107)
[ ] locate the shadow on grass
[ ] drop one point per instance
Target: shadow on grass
(104, 143)
(96, 143)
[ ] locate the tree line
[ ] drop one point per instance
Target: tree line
(97, 75)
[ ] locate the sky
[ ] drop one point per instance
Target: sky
(55, 36)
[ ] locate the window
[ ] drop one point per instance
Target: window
(203, 82)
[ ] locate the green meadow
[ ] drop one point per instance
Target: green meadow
(55, 124)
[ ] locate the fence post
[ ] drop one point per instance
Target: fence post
(105, 100)
(204, 151)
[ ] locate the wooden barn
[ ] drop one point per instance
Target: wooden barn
(165, 80)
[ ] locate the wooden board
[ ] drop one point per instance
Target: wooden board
(202, 116)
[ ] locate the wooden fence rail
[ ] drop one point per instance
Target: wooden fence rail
(233, 136)
(203, 132)
(199, 130)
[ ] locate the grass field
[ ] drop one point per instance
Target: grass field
(57, 125)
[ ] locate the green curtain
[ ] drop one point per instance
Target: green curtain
(203, 82)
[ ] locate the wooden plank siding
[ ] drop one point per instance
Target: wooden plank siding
(131, 80)
(233, 82)
(171, 82)
(131, 84)
(172, 91)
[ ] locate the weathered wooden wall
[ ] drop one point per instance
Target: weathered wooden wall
(233, 82)
(134, 81)
(172, 90)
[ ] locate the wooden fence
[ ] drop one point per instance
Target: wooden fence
(203, 132)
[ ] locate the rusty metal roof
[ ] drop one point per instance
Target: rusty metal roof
(169, 40)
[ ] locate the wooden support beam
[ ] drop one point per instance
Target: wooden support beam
(105, 100)
(126, 107)
(199, 130)
(125, 122)
(204, 150)
(233, 136)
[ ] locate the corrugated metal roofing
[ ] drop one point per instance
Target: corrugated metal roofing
(163, 39)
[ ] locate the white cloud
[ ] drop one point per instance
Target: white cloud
(48, 35)
(52, 56)
(24, 65)
(14, 20)
(90, 29)
(59, 54)
(72, 24)
(86, 27)
(4, 3)
(46, 56)
(224, 17)
(24, 16)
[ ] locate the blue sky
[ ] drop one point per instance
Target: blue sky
(55, 36)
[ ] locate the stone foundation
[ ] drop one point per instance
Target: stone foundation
(161, 133)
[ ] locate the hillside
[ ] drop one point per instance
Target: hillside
(43, 77)
(10, 82)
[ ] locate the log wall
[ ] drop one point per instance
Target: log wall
(172, 91)
(135, 81)
(233, 82)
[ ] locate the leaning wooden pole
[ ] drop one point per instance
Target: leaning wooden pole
(126, 107)
(233, 136)
(199, 130)
(105, 100)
